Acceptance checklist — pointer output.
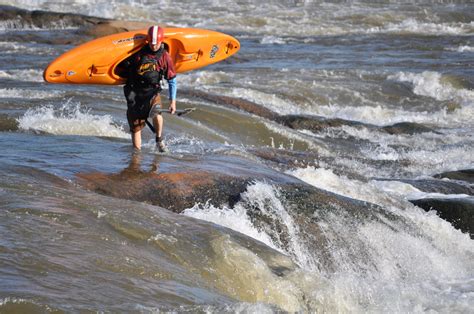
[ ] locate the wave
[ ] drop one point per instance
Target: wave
(70, 119)
(413, 26)
(390, 246)
(28, 93)
(434, 85)
(258, 195)
(463, 48)
(11, 47)
(24, 75)
(20, 24)
(384, 193)
(284, 19)
(457, 111)
(410, 192)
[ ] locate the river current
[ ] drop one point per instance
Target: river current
(389, 91)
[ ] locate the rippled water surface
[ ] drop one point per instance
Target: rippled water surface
(358, 69)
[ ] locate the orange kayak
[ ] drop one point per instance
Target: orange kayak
(100, 61)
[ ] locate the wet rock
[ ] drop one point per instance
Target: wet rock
(452, 106)
(466, 175)
(407, 128)
(458, 211)
(8, 123)
(233, 102)
(44, 19)
(287, 159)
(86, 27)
(313, 123)
(174, 191)
(185, 184)
(441, 186)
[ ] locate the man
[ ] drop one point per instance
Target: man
(142, 90)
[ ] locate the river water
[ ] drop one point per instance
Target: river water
(373, 66)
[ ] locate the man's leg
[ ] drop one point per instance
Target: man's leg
(158, 124)
(137, 139)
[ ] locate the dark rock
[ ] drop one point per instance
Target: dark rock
(174, 191)
(313, 123)
(287, 159)
(458, 211)
(46, 19)
(466, 175)
(87, 27)
(184, 185)
(439, 186)
(238, 103)
(8, 123)
(407, 128)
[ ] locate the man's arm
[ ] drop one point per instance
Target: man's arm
(172, 90)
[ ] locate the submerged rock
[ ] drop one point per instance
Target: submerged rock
(458, 211)
(466, 175)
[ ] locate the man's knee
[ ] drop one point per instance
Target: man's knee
(155, 111)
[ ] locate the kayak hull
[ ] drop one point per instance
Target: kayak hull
(100, 61)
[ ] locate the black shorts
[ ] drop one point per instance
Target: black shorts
(139, 106)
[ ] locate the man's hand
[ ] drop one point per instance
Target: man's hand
(173, 106)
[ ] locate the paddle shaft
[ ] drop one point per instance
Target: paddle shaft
(178, 112)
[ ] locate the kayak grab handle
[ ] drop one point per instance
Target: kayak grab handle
(187, 57)
(97, 70)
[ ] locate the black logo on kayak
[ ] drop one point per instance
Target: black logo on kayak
(126, 40)
(214, 50)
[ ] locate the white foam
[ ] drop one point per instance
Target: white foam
(412, 25)
(272, 40)
(265, 198)
(268, 100)
(424, 154)
(234, 218)
(24, 75)
(409, 192)
(326, 179)
(11, 47)
(464, 48)
(205, 78)
(13, 300)
(429, 83)
(28, 93)
(15, 25)
(70, 119)
(383, 262)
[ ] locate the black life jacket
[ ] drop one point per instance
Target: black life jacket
(147, 70)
